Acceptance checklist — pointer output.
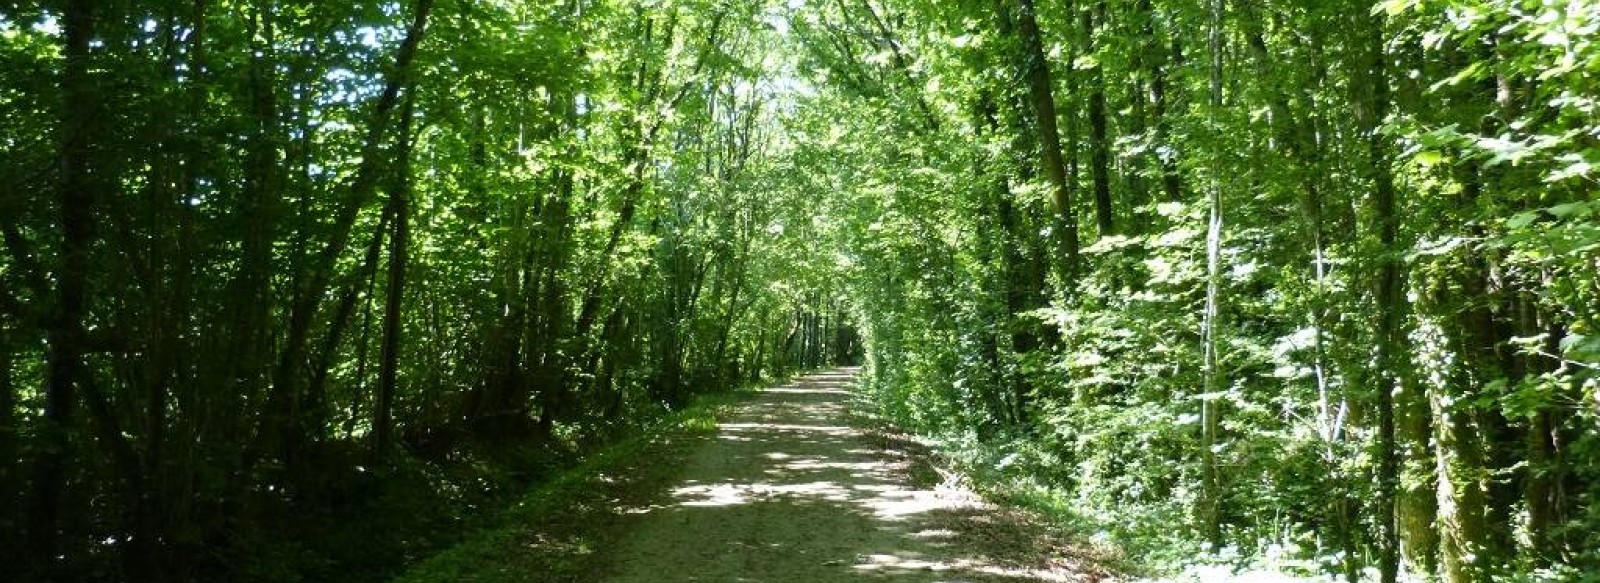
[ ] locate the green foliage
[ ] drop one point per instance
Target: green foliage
(1085, 391)
(350, 273)
(249, 247)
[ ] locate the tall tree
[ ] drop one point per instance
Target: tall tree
(1209, 510)
(1389, 286)
(79, 190)
(1099, 143)
(1042, 95)
(394, 292)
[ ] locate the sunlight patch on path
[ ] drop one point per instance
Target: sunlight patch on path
(729, 494)
(897, 564)
(773, 427)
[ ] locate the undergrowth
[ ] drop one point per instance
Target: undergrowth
(1144, 541)
(366, 523)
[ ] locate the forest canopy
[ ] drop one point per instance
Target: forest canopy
(1306, 284)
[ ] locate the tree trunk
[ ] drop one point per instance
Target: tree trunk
(1143, 71)
(394, 293)
(759, 358)
(249, 336)
(1461, 495)
(1209, 511)
(1171, 178)
(1416, 504)
(1416, 500)
(1040, 89)
(77, 194)
(1465, 535)
(1389, 288)
(313, 284)
(1099, 143)
(10, 466)
(359, 288)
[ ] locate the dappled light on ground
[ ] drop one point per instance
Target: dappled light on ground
(789, 491)
(899, 564)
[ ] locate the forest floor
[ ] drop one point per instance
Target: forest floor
(791, 486)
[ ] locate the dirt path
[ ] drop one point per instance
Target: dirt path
(787, 490)
(784, 490)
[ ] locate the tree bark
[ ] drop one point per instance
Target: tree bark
(1390, 285)
(1209, 512)
(1171, 178)
(1466, 544)
(9, 464)
(1099, 143)
(1040, 90)
(76, 197)
(1144, 70)
(245, 361)
(394, 293)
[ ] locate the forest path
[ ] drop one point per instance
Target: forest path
(787, 490)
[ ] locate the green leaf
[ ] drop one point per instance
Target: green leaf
(1395, 7)
(1579, 169)
(1427, 158)
(1571, 209)
(1504, 149)
(1469, 72)
(1580, 347)
(1522, 220)
(1438, 247)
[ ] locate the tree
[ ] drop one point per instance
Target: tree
(1389, 287)
(1041, 94)
(1210, 494)
(78, 192)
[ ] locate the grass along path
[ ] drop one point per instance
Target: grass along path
(785, 489)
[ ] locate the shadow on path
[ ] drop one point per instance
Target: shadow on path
(787, 490)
